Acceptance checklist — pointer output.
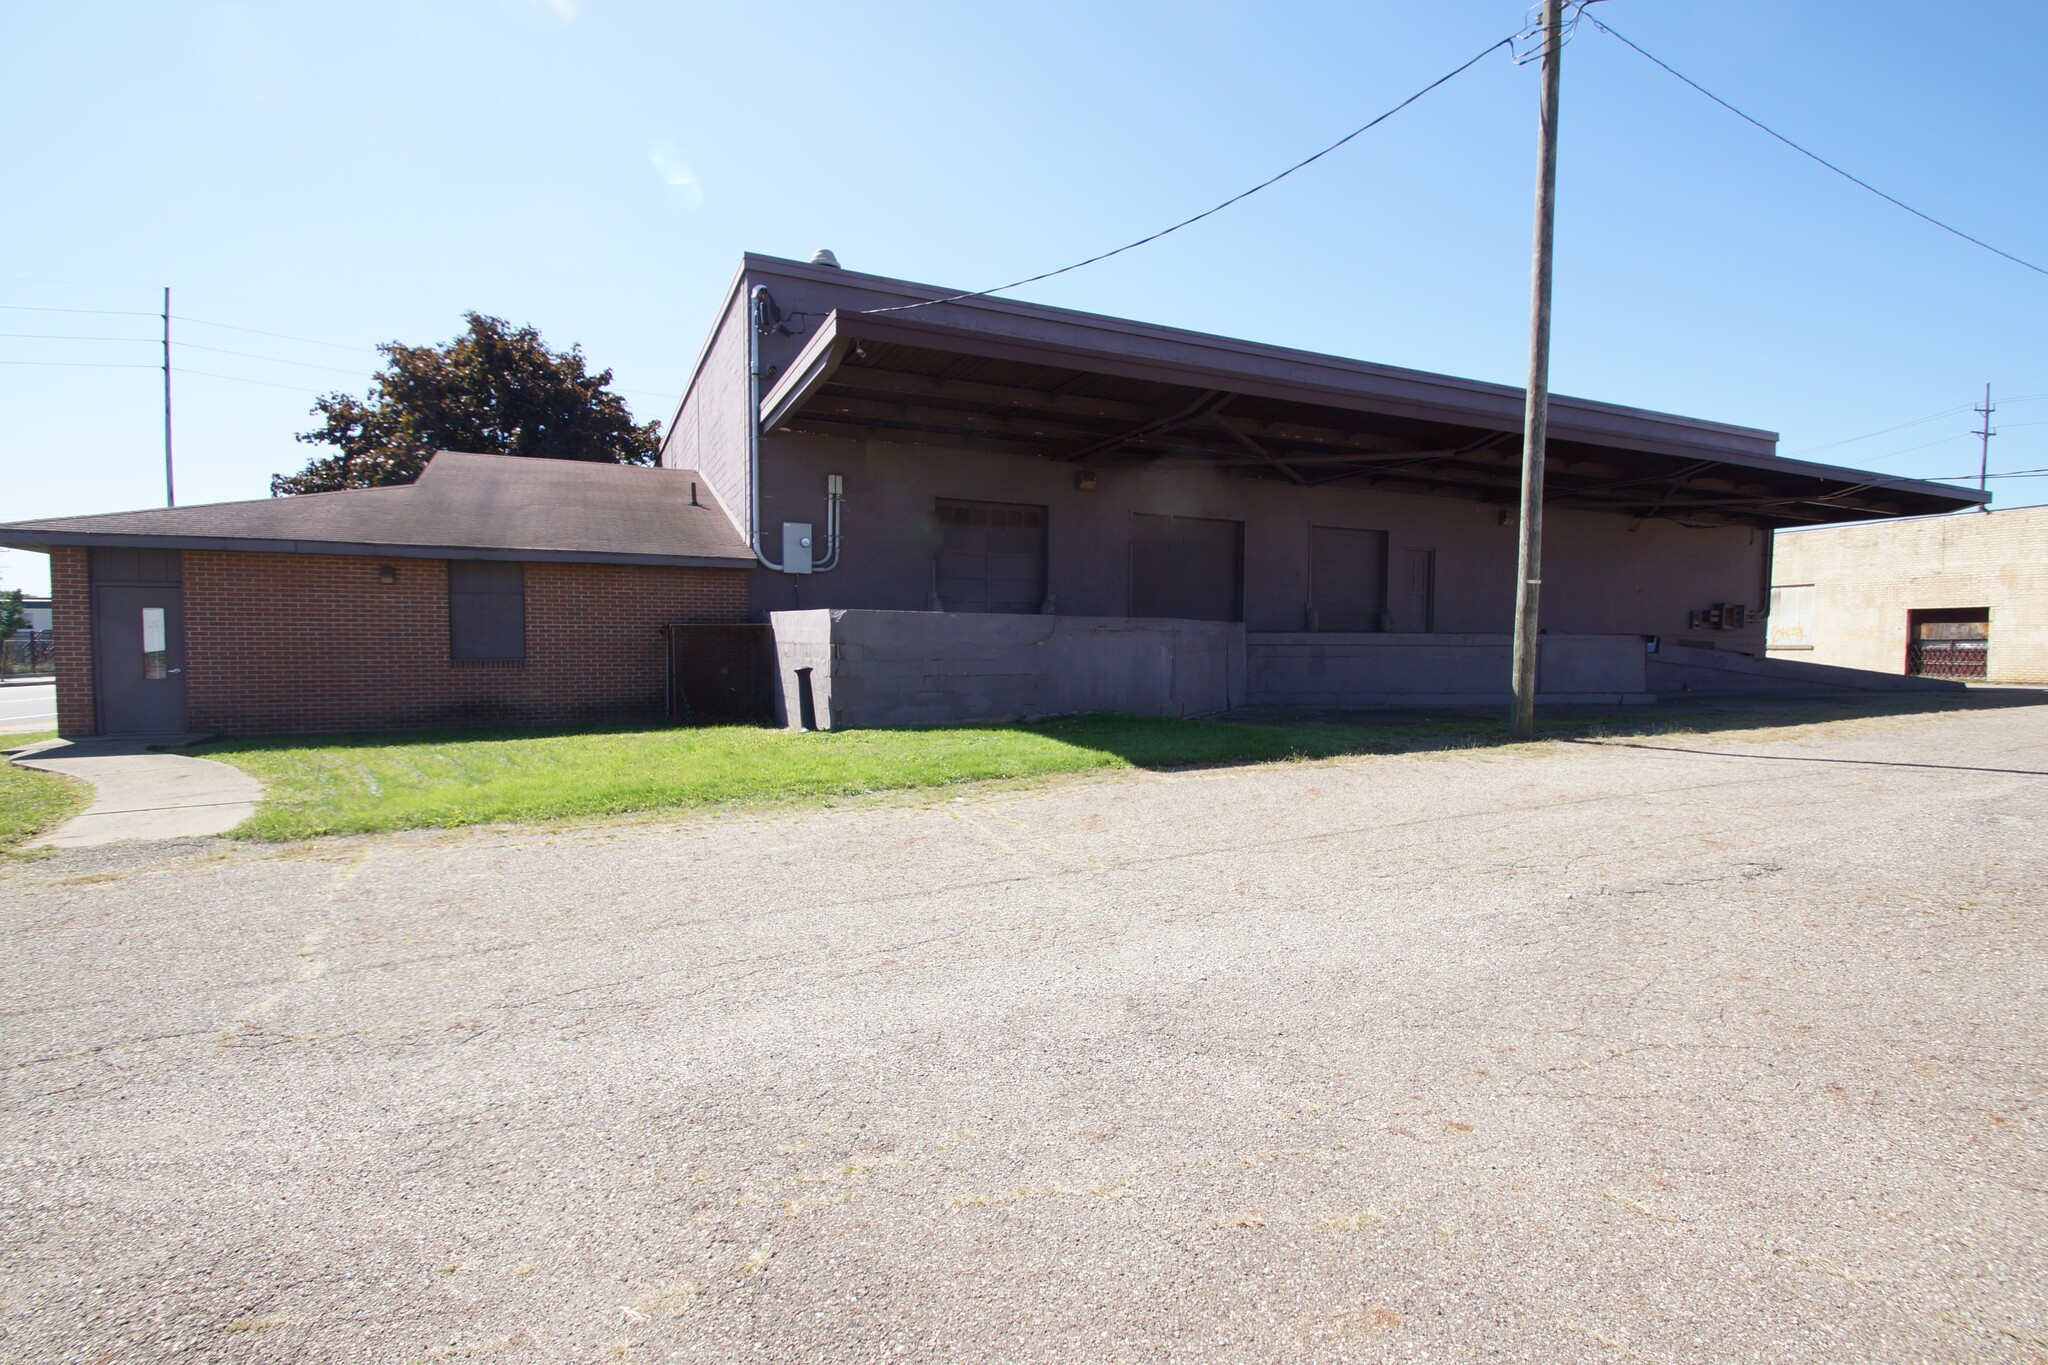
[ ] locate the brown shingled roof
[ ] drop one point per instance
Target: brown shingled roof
(463, 506)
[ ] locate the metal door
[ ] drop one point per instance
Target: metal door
(1347, 578)
(138, 663)
(1418, 591)
(991, 557)
(1191, 568)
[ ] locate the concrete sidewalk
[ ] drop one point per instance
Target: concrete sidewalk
(142, 793)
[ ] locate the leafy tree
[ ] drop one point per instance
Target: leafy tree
(13, 616)
(494, 389)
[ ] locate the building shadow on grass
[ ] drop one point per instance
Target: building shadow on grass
(1264, 735)
(1240, 737)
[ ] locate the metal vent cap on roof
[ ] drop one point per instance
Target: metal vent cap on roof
(825, 257)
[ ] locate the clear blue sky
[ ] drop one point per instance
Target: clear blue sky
(355, 173)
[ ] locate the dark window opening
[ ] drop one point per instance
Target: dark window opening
(991, 557)
(1187, 568)
(486, 611)
(1950, 642)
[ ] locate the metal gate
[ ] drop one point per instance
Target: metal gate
(1948, 642)
(723, 673)
(1947, 658)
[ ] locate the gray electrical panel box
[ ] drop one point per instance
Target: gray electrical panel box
(796, 547)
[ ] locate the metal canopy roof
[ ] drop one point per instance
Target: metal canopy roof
(1103, 401)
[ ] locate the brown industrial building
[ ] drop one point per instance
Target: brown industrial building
(1962, 597)
(950, 509)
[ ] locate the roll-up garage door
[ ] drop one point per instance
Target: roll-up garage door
(1191, 568)
(991, 557)
(1348, 578)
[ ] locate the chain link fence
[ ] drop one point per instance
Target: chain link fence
(28, 651)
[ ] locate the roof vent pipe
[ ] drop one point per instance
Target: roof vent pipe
(825, 257)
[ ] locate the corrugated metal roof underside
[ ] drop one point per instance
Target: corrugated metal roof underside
(881, 378)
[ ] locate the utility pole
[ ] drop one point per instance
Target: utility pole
(1536, 418)
(170, 485)
(1984, 433)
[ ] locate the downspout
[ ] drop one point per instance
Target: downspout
(757, 300)
(758, 305)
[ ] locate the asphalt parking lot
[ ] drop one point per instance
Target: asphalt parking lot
(1688, 1049)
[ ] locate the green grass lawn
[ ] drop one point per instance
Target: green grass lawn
(364, 783)
(32, 803)
(358, 784)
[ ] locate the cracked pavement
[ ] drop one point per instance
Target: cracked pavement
(1723, 1048)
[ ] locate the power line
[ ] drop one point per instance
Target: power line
(100, 312)
(2008, 474)
(271, 359)
(269, 304)
(72, 336)
(1946, 412)
(1910, 449)
(239, 379)
(1916, 422)
(84, 364)
(1488, 50)
(175, 369)
(258, 331)
(1815, 156)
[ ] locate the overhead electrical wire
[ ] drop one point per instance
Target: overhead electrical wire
(1869, 435)
(69, 336)
(242, 379)
(1894, 200)
(100, 312)
(258, 331)
(2006, 474)
(88, 364)
(271, 359)
(1956, 411)
(1928, 445)
(1467, 65)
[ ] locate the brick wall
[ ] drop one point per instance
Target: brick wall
(297, 643)
(1867, 578)
(71, 621)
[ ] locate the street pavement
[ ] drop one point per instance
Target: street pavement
(1716, 1048)
(27, 705)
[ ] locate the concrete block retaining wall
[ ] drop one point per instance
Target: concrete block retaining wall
(894, 668)
(1330, 669)
(883, 668)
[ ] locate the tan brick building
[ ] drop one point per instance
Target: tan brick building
(1962, 596)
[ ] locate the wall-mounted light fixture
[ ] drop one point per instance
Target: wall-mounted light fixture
(1084, 480)
(387, 573)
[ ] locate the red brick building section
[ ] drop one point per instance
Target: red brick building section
(286, 643)
(71, 623)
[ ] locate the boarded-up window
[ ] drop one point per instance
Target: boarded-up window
(1189, 568)
(1790, 624)
(486, 611)
(1348, 578)
(991, 557)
